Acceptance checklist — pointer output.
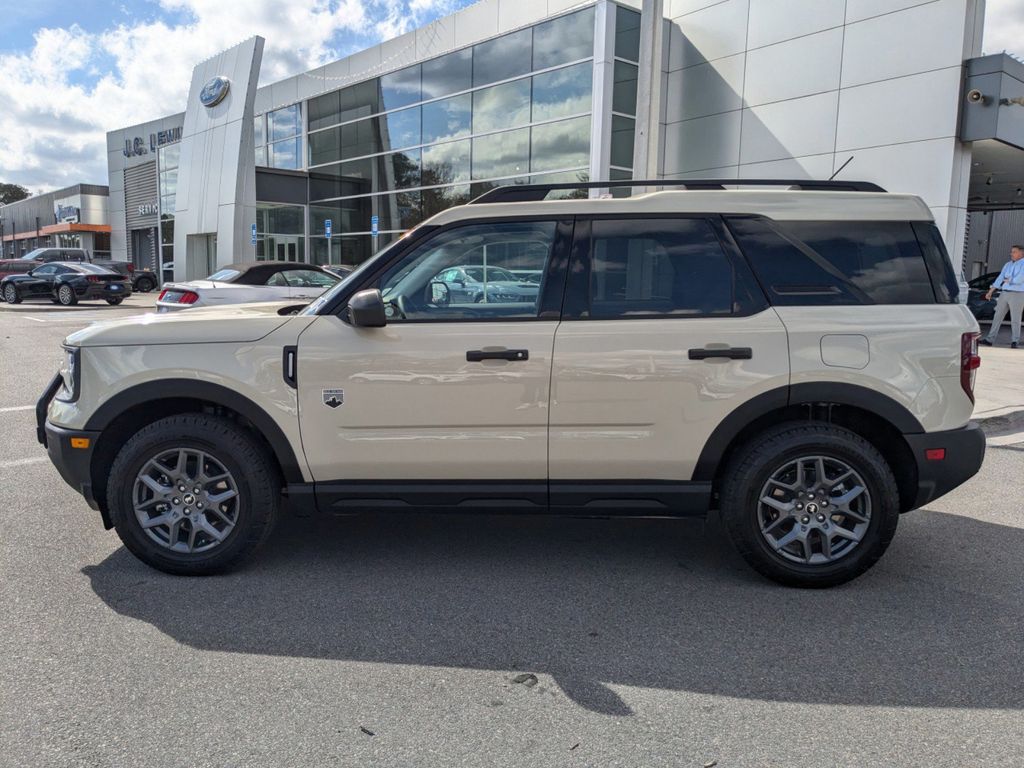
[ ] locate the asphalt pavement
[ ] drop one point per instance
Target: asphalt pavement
(481, 641)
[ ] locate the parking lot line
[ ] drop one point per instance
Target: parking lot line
(29, 317)
(23, 462)
(13, 408)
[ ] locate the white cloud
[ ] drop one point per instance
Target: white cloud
(1004, 27)
(60, 97)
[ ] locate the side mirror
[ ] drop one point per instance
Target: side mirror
(439, 296)
(366, 309)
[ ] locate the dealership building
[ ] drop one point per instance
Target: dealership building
(332, 164)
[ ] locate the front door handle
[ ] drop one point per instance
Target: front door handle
(477, 355)
(730, 353)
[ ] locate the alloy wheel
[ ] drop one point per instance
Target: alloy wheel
(186, 500)
(10, 294)
(814, 510)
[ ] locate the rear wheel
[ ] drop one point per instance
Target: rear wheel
(145, 284)
(114, 302)
(193, 494)
(11, 294)
(810, 506)
(66, 296)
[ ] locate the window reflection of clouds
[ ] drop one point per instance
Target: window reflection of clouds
(502, 58)
(564, 144)
(447, 119)
(446, 163)
(501, 106)
(501, 154)
(401, 88)
(562, 92)
(564, 39)
(446, 74)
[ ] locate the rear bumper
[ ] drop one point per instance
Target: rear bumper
(107, 291)
(964, 453)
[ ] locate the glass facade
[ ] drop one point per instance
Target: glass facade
(280, 233)
(167, 164)
(278, 138)
(627, 58)
(410, 143)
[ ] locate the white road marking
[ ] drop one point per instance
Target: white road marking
(23, 462)
(13, 408)
(29, 317)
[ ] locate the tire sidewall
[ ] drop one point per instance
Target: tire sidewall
(881, 486)
(114, 302)
(251, 483)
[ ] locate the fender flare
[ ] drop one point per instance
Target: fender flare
(166, 389)
(839, 393)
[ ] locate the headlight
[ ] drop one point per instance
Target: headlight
(71, 373)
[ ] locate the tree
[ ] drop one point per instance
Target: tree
(12, 193)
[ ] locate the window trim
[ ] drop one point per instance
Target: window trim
(576, 307)
(552, 291)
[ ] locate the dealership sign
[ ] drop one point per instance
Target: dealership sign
(65, 214)
(214, 91)
(138, 146)
(148, 209)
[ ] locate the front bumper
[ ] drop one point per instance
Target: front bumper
(964, 451)
(72, 460)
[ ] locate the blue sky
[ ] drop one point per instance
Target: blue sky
(70, 70)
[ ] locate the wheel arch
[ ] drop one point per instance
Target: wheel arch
(876, 417)
(127, 412)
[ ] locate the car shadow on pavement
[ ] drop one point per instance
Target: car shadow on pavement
(654, 603)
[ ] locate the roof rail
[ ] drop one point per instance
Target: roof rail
(524, 193)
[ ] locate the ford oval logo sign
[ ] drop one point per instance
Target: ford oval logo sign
(214, 91)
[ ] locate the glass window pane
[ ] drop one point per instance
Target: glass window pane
(448, 74)
(562, 92)
(565, 39)
(465, 273)
(623, 129)
(437, 200)
(565, 144)
(285, 154)
(646, 267)
(618, 174)
(401, 88)
(324, 110)
(567, 177)
(501, 154)
(283, 123)
(624, 90)
(259, 129)
(280, 219)
(261, 155)
(627, 33)
(403, 128)
(358, 100)
(502, 58)
(170, 156)
(361, 138)
(446, 163)
(502, 106)
(447, 119)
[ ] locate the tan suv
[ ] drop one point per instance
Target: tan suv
(796, 358)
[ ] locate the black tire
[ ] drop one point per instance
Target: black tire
(114, 302)
(757, 461)
(66, 296)
(11, 294)
(145, 284)
(233, 447)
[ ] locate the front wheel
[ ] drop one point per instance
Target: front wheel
(810, 505)
(193, 494)
(114, 302)
(66, 296)
(11, 295)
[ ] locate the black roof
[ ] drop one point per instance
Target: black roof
(258, 272)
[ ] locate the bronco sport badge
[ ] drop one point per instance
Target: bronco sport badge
(334, 397)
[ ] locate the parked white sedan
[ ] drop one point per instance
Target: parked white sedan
(246, 283)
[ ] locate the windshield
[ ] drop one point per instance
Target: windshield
(33, 254)
(356, 274)
(225, 275)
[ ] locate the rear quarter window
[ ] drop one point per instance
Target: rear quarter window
(803, 263)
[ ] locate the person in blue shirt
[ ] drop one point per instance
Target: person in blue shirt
(1010, 285)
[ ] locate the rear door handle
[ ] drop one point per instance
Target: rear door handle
(476, 355)
(731, 353)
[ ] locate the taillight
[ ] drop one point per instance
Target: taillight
(92, 279)
(162, 294)
(190, 297)
(969, 362)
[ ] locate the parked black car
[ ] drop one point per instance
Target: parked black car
(66, 283)
(143, 280)
(980, 307)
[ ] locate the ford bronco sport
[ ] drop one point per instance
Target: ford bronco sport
(795, 358)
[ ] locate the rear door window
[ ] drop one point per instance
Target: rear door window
(836, 262)
(651, 267)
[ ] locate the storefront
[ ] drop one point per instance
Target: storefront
(73, 217)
